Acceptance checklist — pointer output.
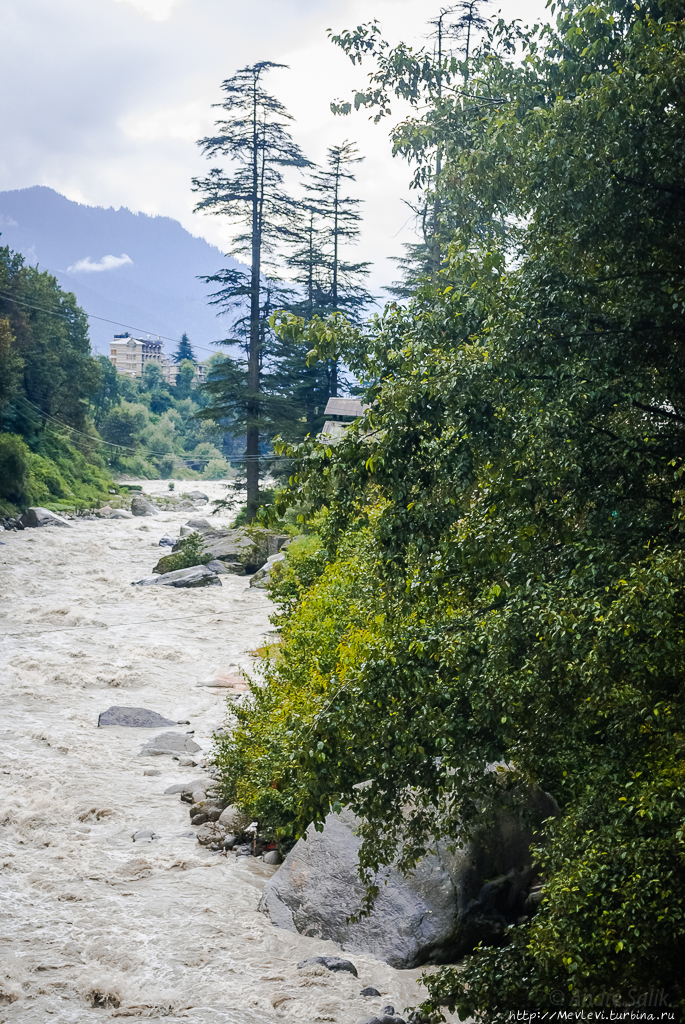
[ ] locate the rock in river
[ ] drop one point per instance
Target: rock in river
(141, 506)
(37, 516)
(331, 963)
(248, 549)
(225, 568)
(169, 743)
(135, 718)
(435, 914)
(195, 576)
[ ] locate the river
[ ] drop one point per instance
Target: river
(96, 926)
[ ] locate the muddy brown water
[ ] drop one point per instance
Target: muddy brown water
(95, 926)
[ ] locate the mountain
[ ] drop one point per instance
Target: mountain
(138, 270)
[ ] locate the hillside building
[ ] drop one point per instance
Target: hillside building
(342, 412)
(131, 355)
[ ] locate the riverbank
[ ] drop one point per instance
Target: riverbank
(97, 926)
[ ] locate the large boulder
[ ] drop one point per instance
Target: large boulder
(38, 516)
(196, 496)
(195, 576)
(134, 718)
(142, 506)
(245, 548)
(436, 914)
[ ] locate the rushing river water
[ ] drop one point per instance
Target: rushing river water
(90, 919)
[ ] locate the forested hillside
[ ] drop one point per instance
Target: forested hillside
(69, 421)
(48, 446)
(491, 596)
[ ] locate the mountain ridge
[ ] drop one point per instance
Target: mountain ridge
(149, 283)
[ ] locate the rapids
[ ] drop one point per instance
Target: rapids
(96, 926)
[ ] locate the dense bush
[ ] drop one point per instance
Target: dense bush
(504, 528)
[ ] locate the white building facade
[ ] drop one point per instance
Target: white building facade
(131, 355)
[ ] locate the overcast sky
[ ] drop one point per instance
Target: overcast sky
(103, 100)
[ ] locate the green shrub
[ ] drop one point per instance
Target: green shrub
(15, 469)
(192, 553)
(257, 757)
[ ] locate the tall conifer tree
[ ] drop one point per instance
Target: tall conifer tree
(184, 350)
(339, 283)
(253, 134)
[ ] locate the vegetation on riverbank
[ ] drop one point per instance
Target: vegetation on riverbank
(69, 421)
(498, 576)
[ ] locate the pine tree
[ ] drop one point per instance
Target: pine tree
(253, 134)
(335, 284)
(184, 350)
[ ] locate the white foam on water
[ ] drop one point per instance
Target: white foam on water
(96, 926)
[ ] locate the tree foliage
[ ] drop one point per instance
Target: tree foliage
(254, 135)
(48, 448)
(515, 498)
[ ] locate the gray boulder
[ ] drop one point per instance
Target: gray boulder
(134, 718)
(144, 835)
(262, 577)
(276, 541)
(120, 513)
(196, 576)
(197, 526)
(166, 541)
(225, 568)
(196, 496)
(452, 900)
(247, 550)
(142, 506)
(38, 516)
(169, 743)
(233, 819)
(331, 963)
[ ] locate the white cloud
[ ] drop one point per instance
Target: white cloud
(157, 10)
(86, 266)
(103, 101)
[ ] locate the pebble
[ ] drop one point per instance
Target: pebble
(152, 771)
(332, 963)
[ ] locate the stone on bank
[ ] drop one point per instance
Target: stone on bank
(437, 913)
(38, 516)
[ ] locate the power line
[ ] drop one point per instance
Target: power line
(147, 451)
(91, 316)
